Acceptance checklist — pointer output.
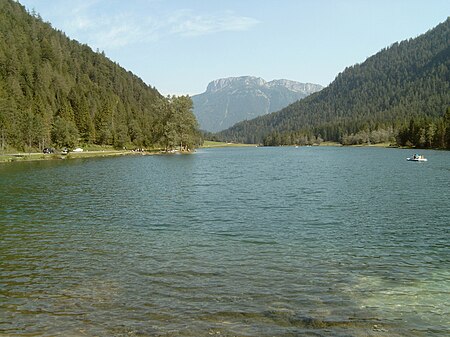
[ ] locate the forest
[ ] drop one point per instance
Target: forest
(401, 95)
(55, 91)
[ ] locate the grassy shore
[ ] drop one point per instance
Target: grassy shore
(330, 144)
(16, 157)
(93, 151)
(211, 144)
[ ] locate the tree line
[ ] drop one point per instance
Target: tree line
(55, 91)
(399, 95)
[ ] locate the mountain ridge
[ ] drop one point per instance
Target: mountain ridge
(222, 83)
(233, 99)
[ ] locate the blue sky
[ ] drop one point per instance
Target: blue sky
(180, 46)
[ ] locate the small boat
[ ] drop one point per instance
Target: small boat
(417, 157)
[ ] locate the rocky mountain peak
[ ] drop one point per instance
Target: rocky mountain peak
(227, 101)
(235, 83)
(307, 88)
(241, 82)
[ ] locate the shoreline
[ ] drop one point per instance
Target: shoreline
(213, 144)
(36, 156)
(209, 144)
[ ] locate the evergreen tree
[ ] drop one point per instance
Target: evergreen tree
(56, 91)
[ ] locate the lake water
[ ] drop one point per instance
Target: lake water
(310, 241)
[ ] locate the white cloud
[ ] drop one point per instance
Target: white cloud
(187, 23)
(81, 23)
(107, 31)
(115, 32)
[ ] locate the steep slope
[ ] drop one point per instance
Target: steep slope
(230, 100)
(408, 80)
(57, 92)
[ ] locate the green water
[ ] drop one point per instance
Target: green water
(227, 242)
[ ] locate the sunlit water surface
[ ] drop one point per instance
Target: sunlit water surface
(227, 242)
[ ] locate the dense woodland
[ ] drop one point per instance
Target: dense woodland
(401, 95)
(57, 92)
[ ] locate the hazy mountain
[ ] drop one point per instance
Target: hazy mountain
(227, 101)
(401, 93)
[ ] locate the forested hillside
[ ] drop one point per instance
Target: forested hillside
(57, 92)
(401, 95)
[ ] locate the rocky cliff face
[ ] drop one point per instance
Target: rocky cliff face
(227, 101)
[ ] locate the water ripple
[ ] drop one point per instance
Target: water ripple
(229, 242)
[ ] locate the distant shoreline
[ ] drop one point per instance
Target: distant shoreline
(212, 144)
(208, 144)
(37, 156)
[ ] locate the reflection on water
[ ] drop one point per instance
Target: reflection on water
(229, 242)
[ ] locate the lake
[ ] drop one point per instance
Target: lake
(309, 241)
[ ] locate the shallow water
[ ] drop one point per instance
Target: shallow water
(230, 242)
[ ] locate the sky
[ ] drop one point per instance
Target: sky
(179, 46)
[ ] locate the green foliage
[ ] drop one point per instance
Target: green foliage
(180, 128)
(378, 98)
(56, 91)
(64, 133)
(426, 132)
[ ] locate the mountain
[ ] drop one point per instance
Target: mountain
(227, 101)
(400, 94)
(55, 91)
